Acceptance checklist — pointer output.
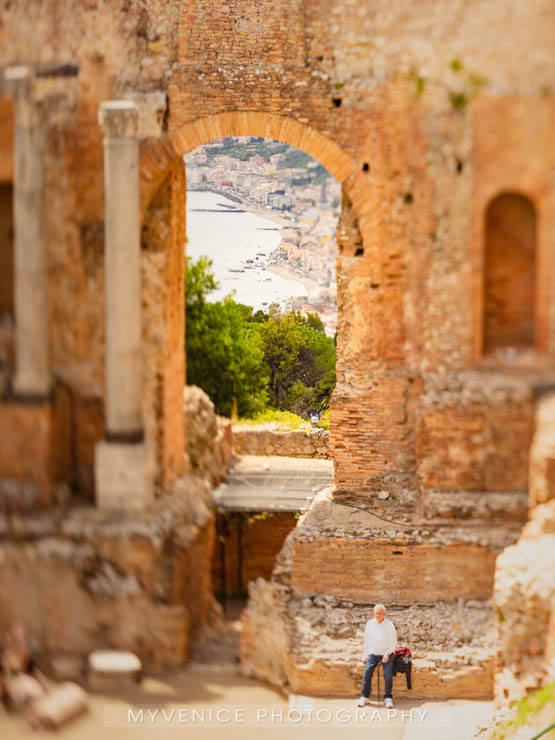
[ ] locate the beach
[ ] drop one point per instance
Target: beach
(240, 245)
(288, 273)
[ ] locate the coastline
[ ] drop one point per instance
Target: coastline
(281, 270)
(288, 273)
(268, 214)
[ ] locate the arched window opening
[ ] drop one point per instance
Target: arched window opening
(509, 274)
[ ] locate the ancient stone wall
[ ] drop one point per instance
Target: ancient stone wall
(209, 436)
(268, 439)
(340, 561)
(524, 599)
(87, 581)
(163, 290)
(524, 593)
(415, 126)
(542, 454)
(36, 453)
(425, 113)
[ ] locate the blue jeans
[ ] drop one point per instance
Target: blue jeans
(371, 662)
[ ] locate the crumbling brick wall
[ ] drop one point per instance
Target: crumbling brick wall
(425, 114)
(139, 582)
(163, 289)
(524, 592)
(415, 132)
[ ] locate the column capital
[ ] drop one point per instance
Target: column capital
(36, 92)
(137, 116)
(17, 80)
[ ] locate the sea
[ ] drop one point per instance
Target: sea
(239, 245)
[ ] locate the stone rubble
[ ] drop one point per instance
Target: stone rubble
(208, 436)
(422, 627)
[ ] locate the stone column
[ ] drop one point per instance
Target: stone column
(124, 464)
(31, 377)
(122, 270)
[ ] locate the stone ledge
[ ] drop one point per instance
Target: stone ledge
(483, 505)
(270, 439)
(428, 681)
(186, 503)
(328, 518)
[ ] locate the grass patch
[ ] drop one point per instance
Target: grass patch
(284, 418)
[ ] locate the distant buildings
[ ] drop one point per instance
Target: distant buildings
(294, 184)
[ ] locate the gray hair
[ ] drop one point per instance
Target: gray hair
(381, 607)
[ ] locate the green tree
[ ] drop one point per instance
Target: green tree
(300, 359)
(223, 347)
(244, 360)
(314, 322)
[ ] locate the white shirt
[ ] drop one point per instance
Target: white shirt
(379, 639)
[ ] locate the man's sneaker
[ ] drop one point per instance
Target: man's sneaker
(361, 702)
(388, 703)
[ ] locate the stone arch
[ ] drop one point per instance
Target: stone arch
(157, 156)
(510, 273)
(161, 162)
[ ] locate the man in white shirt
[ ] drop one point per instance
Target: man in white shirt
(380, 641)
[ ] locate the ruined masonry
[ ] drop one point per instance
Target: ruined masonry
(437, 119)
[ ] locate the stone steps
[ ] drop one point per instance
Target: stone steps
(258, 483)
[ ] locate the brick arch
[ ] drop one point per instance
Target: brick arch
(163, 185)
(157, 156)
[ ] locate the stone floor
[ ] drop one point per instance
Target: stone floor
(249, 708)
(211, 682)
(219, 646)
(272, 483)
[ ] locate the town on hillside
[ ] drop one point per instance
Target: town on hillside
(283, 181)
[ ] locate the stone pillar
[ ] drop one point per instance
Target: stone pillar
(33, 455)
(122, 270)
(124, 465)
(31, 377)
